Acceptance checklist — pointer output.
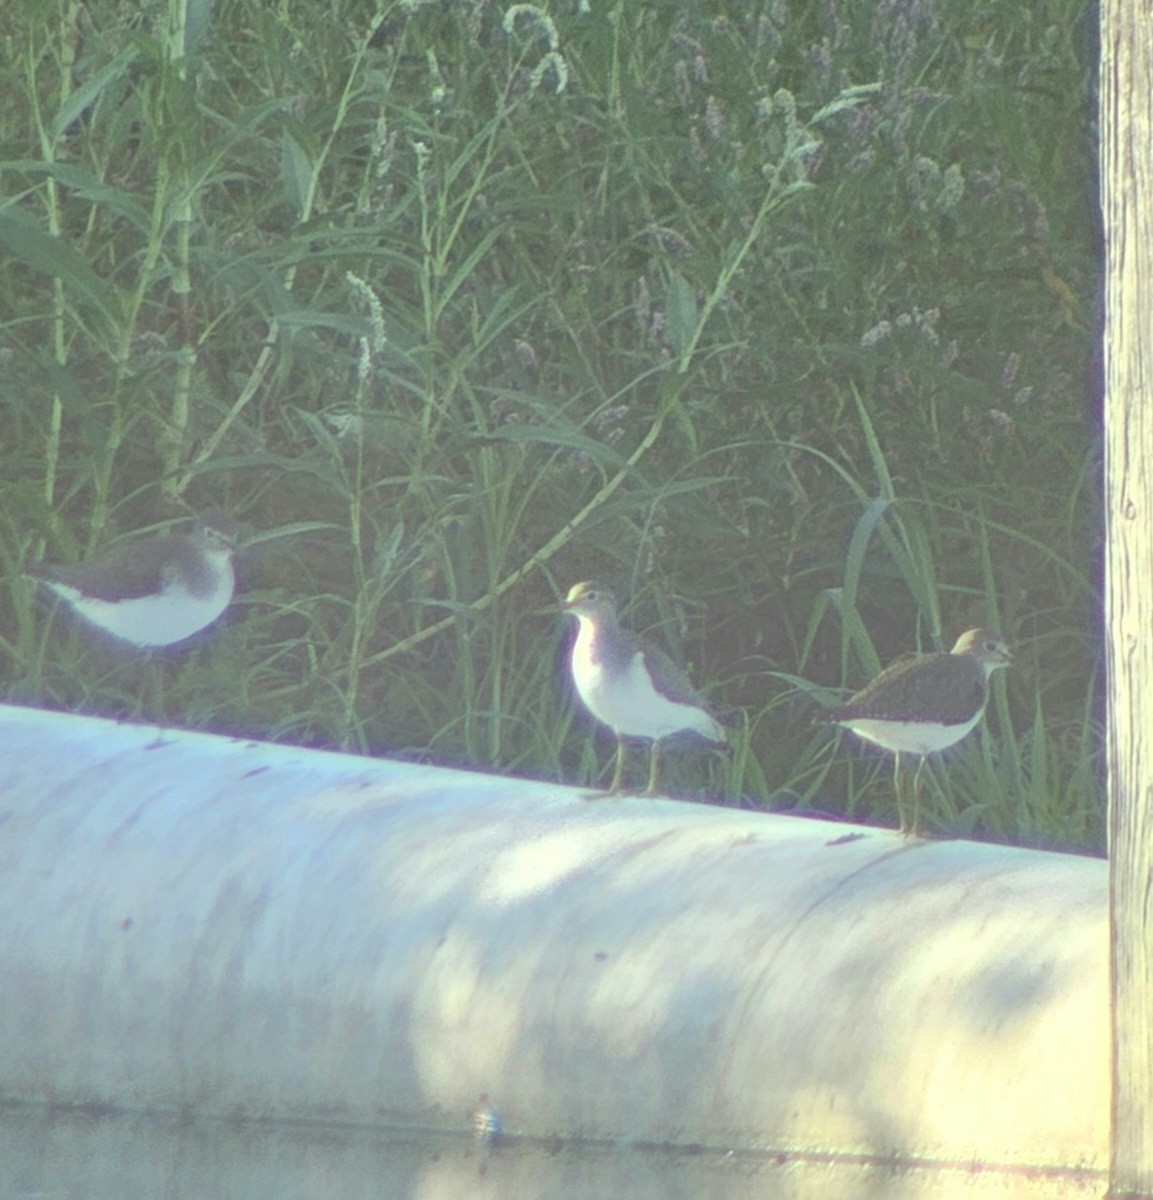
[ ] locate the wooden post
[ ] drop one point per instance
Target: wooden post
(1126, 114)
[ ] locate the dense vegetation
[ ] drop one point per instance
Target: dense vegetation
(777, 317)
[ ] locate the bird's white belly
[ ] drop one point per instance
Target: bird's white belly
(628, 702)
(921, 737)
(159, 620)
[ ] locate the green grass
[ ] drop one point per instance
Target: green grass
(775, 317)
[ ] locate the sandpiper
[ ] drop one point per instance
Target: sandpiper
(632, 687)
(920, 705)
(156, 590)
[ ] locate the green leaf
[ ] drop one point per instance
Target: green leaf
(198, 16)
(89, 92)
(295, 174)
(52, 257)
(81, 182)
(681, 306)
(851, 97)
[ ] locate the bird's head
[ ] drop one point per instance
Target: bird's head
(984, 647)
(216, 530)
(591, 600)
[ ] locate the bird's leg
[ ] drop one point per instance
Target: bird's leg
(619, 770)
(897, 790)
(152, 698)
(915, 832)
(654, 767)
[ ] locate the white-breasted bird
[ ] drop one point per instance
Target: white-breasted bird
(155, 590)
(919, 705)
(629, 685)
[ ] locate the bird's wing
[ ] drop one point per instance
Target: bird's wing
(669, 679)
(126, 572)
(954, 684)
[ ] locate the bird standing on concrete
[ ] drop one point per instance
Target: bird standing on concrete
(156, 590)
(632, 687)
(924, 704)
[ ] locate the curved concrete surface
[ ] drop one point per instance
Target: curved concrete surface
(122, 1156)
(220, 926)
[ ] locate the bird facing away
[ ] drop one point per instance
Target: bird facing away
(633, 688)
(156, 590)
(924, 704)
